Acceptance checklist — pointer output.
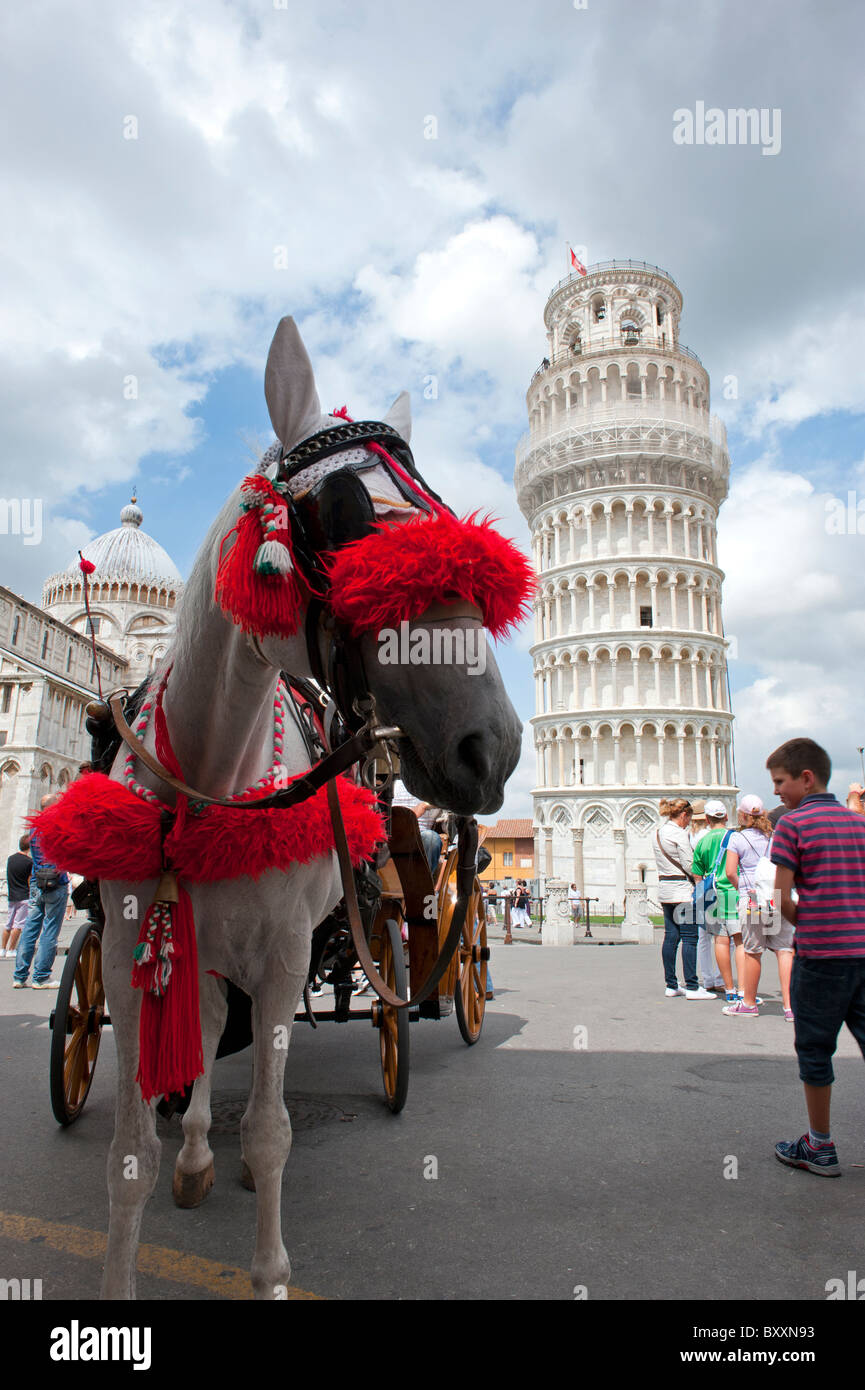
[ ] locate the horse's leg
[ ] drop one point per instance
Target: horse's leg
(193, 1171)
(266, 1129)
(133, 1158)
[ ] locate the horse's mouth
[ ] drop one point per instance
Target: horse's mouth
(466, 798)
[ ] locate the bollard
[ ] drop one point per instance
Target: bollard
(509, 940)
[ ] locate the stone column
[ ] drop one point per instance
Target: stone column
(573, 594)
(548, 851)
(632, 585)
(691, 604)
(579, 871)
(591, 588)
(637, 925)
(657, 660)
(561, 743)
(608, 517)
(681, 738)
(619, 842)
(617, 761)
(593, 668)
(650, 517)
(674, 606)
(558, 929)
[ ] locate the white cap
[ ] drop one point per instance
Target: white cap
(716, 809)
(751, 805)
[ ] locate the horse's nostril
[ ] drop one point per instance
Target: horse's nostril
(472, 752)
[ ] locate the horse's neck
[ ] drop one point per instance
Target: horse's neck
(218, 706)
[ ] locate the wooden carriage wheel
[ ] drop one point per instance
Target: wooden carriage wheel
(393, 1024)
(77, 1024)
(470, 995)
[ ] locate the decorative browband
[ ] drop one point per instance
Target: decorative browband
(393, 572)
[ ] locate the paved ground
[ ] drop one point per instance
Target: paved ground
(587, 1141)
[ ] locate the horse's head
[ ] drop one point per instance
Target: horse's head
(397, 594)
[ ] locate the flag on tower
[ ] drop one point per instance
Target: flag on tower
(577, 265)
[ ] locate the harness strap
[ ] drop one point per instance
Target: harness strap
(300, 790)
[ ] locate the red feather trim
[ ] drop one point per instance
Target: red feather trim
(396, 572)
(101, 830)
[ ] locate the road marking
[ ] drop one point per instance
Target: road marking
(223, 1281)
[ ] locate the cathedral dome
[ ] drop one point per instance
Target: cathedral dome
(128, 553)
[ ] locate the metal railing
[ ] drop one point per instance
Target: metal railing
(611, 265)
(614, 343)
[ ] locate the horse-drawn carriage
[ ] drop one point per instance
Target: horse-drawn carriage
(407, 914)
(335, 542)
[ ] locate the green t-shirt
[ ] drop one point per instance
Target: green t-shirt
(705, 857)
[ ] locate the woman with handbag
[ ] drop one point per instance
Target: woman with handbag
(673, 856)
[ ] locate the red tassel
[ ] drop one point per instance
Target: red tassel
(166, 968)
(264, 604)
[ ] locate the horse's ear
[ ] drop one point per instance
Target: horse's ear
(399, 416)
(289, 386)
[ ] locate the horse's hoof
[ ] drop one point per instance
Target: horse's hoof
(190, 1189)
(246, 1178)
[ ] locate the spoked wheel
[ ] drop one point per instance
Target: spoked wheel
(470, 996)
(393, 1024)
(77, 1025)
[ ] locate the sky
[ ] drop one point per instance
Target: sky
(403, 179)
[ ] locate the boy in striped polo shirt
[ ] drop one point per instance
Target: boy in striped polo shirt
(820, 847)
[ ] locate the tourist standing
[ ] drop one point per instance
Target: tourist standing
(819, 846)
(674, 856)
(18, 868)
(49, 888)
(747, 847)
(713, 936)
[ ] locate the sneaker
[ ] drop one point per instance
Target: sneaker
(671, 993)
(741, 998)
(800, 1153)
(700, 993)
(19, 984)
(731, 997)
(316, 990)
(46, 984)
(788, 1014)
(741, 1010)
(362, 987)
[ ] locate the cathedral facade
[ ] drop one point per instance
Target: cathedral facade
(47, 666)
(620, 478)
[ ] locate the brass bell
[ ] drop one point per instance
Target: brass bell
(97, 709)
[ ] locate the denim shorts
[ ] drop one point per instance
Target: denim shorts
(826, 992)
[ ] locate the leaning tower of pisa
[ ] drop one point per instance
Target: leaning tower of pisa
(620, 477)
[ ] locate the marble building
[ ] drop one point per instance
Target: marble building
(620, 477)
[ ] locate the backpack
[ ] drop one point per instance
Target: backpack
(705, 894)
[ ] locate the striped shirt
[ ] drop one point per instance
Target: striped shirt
(824, 844)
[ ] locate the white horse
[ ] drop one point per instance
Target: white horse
(461, 742)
